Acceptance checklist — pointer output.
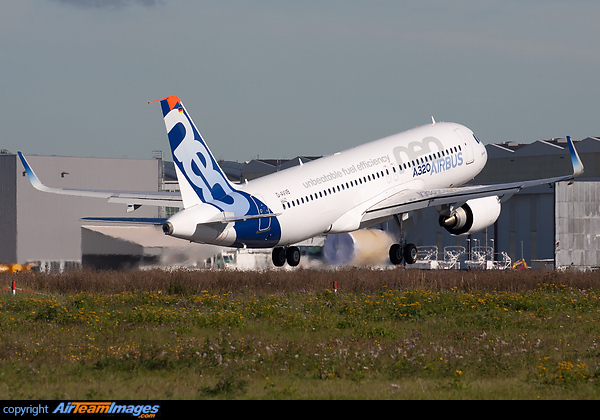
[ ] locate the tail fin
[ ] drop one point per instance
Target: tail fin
(200, 178)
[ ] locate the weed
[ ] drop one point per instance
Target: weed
(226, 386)
(220, 334)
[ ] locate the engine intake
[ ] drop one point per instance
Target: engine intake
(472, 216)
(167, 228)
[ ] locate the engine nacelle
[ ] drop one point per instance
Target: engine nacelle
(473, 216)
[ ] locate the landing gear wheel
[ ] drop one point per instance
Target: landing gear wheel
(410, 253)
(293, 256)
(278, 256)
(396, 254)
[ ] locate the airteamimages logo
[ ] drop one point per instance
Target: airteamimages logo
(142, 411)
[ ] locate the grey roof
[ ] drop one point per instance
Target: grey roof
(495, 151)
(542, 148)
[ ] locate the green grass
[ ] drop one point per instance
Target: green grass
(286, 335)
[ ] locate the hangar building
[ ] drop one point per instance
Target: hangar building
(549, 225)
(46, 228)
(556, 226)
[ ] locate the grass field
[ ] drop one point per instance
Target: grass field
(393, 334)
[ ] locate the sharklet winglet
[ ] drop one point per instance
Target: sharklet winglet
(575, 159)
(35, 181)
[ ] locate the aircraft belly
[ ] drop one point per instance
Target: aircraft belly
(296, 227)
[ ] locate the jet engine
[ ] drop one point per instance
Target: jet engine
(473, 216)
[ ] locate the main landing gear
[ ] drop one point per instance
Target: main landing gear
(290, 254)
(408, 253)
(402, 251)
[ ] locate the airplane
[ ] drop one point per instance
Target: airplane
(357, 188)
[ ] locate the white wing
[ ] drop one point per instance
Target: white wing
(131, 198)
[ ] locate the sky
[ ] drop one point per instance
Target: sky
(278, 79)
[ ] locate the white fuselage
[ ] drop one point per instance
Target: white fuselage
(331, 194)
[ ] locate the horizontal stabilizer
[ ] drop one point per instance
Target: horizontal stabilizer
(230, 219)
(128, 220)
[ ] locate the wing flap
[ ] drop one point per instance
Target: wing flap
(411, 200)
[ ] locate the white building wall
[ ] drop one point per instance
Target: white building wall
(49, 225)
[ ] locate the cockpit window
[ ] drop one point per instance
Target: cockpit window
(476, 139)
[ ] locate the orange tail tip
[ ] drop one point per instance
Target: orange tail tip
(172, 101)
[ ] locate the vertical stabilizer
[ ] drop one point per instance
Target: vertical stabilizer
(200, 178)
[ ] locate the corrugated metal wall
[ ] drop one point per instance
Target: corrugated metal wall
(577, 224)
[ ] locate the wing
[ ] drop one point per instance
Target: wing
(410, 199)
(134, 199)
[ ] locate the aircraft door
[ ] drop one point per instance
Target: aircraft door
(388, 172)
(264, 223)
(391, 172)
(466, 146)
